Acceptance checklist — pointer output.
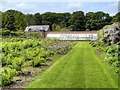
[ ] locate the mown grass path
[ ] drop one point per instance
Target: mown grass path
(80, 68)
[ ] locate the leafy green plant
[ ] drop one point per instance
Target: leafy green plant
(18, 53)
(17, 63)
(36, 62)
(7, 75)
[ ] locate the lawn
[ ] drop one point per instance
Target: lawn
(80, 68)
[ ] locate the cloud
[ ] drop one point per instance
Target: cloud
(21, 4)
(33, 7)
(60, 0)
(112, 8)
(74, 6)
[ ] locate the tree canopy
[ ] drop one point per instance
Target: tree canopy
(15, 20)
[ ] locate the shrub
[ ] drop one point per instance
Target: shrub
(36, 62)
(113, 55)
(17, 63)
(113, 50)
(7, 75)
(5, 32)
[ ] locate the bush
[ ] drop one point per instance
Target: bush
(113, 50)
(33, 34)
(7, 75)
(5, 32)
(113, 55)
(38, 60)
(17, 63)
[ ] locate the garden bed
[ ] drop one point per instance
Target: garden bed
(24, 58)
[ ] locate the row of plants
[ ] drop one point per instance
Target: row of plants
(18, 53)
(15, 54)
(59, 47)
(19, 34)
(111, 50)
(112, 56)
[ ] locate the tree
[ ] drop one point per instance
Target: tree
(9, 20)
(95, 21)
(20, 21)
(116, 18)
(30, 19)
(77, 21)
(62, 19)
(90, 15)
(56, 27)
(49, 18)
(10, 23)
(38, 19)
(13, 20)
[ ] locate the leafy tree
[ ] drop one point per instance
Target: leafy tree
(38, 19)
(90, 15)
(30, 19)
(116, 18)
(77, 21)
(56, 27)
(49, 18)
(10, 23)
(20, 21)
(95, 21)
(9, 20)
(63, 18)
(15, 20)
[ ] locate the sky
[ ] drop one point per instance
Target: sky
(34, 6)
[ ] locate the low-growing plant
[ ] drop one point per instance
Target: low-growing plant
(36, 62)
(17, 63)
(7, 75)
(18, 53)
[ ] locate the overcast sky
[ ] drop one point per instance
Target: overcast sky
(34, 6)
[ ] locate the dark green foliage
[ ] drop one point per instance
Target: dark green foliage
(17, 21)
(113, 50)
(4, 32)
(38, 19)
(77, 21)
(116, 18)
(96, 21)
(30, 19)
(10, 23)
(113, 55)
(49, 18)
(13, 20)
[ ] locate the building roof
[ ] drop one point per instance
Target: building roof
(37, 28)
